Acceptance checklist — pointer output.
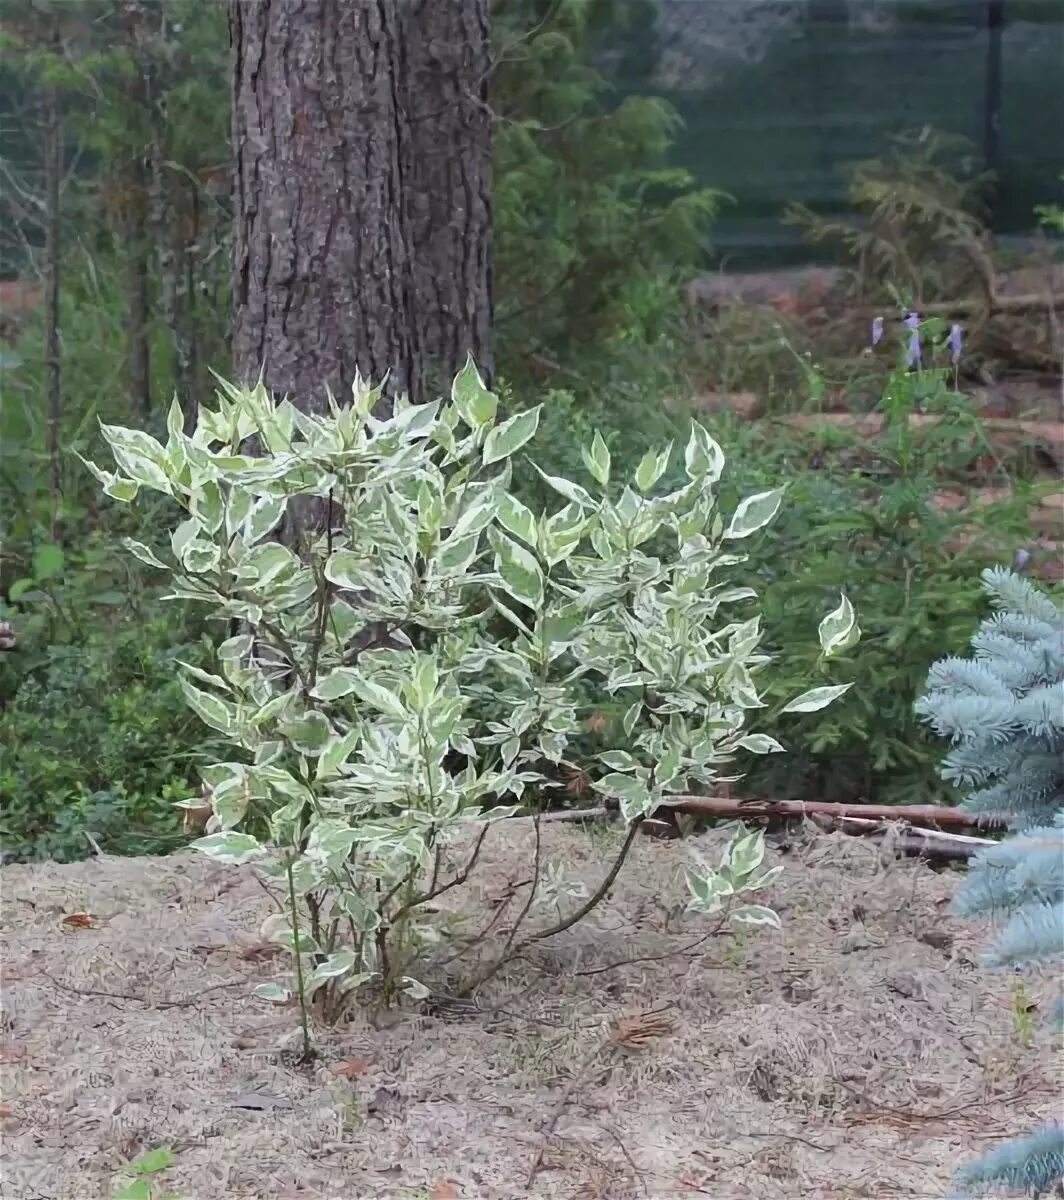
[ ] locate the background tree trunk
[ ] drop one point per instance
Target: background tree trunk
(134, 208)
(447, 181)
(320, 261)
(362, 192)
(53, 230)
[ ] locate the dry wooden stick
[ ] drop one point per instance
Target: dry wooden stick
(577, 1077)
(180, 1003)
(913, 814)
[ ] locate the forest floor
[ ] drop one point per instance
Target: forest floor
(860, 1052)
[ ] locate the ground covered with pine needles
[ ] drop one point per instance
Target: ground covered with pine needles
(860, 1052)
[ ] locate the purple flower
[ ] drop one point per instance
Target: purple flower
(956, 343)
(877, 331)
(912, 354)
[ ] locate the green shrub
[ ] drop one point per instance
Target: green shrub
(859, 516)
(350, 701)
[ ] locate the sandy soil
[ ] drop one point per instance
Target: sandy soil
(859, 1053)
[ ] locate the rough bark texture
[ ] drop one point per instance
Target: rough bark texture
(53, 229)
(447, 180)
(135, 201)
(321, 277)
(362, 191)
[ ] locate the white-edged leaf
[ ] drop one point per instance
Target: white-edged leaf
(337, 964)
(762, 881)
(745, 854)
(707, 890)
(756, 914)
(123, 490)
(518, 569)
(341, 682)
(633, 794)
(263, 517)
(618, 760)
(760, 743)
(235, 648)
(568, 489)
(703, 458)
(515, 518)
(273, 992)
(510, 436)
(475, 404)
(632, 716)
(651, 468)
(230, 847)
(816, 698)
(378, 696)
(210, 709)
(139, 550)
(597, 459)
(754, 513)
(839, 630)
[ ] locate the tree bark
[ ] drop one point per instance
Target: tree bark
(52, 254)
(135, 199)
(321, 277)
(447, 181)
(362, 192)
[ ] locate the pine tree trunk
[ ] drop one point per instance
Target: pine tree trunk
(135, 202)
(53, 168)
(362, 192)
(137, 311)
(321, 269)
(447, 179)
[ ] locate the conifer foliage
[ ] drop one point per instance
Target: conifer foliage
(1003, 711)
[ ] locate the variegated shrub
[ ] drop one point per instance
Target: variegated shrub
(399, 641)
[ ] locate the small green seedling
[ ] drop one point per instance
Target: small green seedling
(1022, 1007)
(143, 1186)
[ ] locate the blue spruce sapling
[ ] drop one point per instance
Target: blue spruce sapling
(1003, 712)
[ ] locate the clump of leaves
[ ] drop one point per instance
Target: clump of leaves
(921, 224)
(867, 516)
(407, 665)
(96, 741)
(593, 227)
(143, 1185)
(1051, 216)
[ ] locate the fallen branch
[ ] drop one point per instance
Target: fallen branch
(928, 815)
(902, 838)
(151, 1002)
(572, 814)
(882, 816)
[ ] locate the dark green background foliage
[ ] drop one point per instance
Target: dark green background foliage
(98, 739)
(596, 229)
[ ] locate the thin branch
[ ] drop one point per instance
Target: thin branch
(460, 878)
(504, 955)
(577, 1077)
(182, 1002)
(680, 950)
(599, 894)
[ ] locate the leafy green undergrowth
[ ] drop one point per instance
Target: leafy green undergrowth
(95, 741)
(98, 744)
